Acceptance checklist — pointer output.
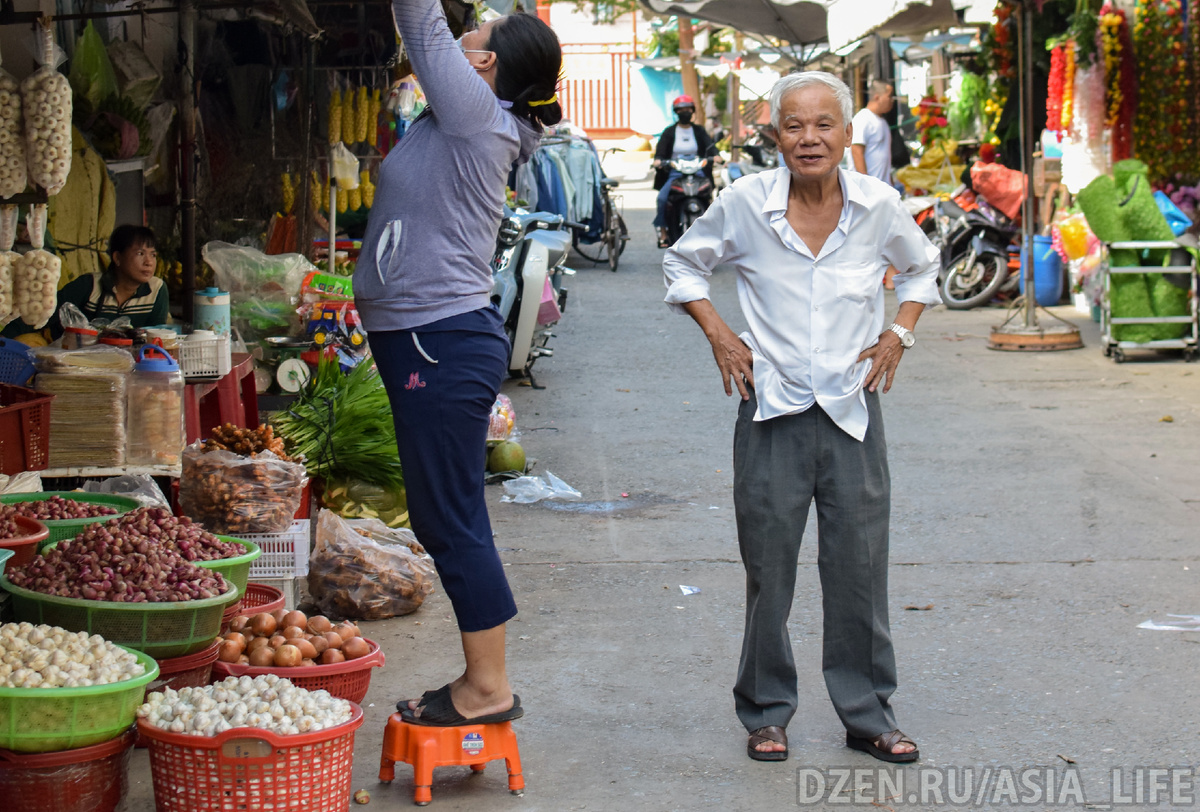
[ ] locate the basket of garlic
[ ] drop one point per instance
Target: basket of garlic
(61, 690)
(245, 743)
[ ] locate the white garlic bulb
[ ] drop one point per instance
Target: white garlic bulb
(50, 657)
(47, 106)
(8, 260)
(216, 708)
(12, 138)
(34, 287)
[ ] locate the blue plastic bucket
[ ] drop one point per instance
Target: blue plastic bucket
(1047, 272)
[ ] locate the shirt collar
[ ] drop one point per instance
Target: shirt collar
(108, 284)
(777, 196)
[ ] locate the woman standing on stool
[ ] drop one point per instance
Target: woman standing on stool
(423, 288)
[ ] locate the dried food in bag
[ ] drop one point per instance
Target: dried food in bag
(361, 568)
(232, 494)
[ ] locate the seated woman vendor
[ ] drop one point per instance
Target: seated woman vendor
(127, 288)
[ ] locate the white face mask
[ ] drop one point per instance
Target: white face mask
(459, 43)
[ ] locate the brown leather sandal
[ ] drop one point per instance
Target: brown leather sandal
(882, 745)
(774, 734)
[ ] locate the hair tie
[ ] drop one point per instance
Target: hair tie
(550, 100)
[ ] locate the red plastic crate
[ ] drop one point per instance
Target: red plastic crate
(248, 768)
(24, 429)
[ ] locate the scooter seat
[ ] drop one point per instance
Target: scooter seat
(609, 183)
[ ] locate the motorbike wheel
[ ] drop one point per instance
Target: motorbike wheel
(973, 280)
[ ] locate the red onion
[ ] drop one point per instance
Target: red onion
(55, 508)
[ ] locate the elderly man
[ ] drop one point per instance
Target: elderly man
(810, 243)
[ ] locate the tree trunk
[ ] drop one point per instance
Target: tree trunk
(687, 67)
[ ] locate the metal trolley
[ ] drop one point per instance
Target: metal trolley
(1189, 342)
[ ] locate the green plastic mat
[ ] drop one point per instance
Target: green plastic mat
(161, 630)
(236, 570)
(70, 528)
(41, 720)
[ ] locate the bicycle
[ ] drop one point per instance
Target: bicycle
(613, 234)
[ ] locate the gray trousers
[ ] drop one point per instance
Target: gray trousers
(780, 466)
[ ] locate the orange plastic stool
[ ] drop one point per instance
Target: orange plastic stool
(427, 747)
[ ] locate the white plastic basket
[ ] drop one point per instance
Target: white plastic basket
(206, 358)
(284, 555)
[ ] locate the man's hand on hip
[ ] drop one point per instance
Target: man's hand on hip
(733, 357)
(885, 357)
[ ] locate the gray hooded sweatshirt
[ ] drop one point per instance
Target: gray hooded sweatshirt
(427, 251)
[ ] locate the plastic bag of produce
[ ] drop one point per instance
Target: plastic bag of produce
(364, 569)
(356, 499)
(141, 487)
(92, 76)
(263, 288)
(12, 137)
(232, 494)
(46, 102)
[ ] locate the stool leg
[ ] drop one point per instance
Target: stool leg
(478, 768)
(387, 761)
(423, 772)
(512, 761)
(387, 770)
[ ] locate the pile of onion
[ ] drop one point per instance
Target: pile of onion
(55, 508)
(283, 639)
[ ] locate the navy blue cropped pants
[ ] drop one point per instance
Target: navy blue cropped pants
(442, 380)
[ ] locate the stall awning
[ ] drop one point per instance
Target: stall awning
(798, 21)
(851, 20)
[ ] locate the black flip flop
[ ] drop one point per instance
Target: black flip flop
(402, 704)
(772, 733)
(437, 710)
(881, 747)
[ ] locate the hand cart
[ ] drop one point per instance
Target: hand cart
(1189, 342)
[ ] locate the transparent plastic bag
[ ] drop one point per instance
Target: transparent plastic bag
(345, 167)
(363, 569)
(35, 275)
(46, 101)
(13, 175)
(264, 289)
(141, 487)
(8, 258)
(92, 76)
(529, 489)
(355, 499)
(503, 421)
(232, 494)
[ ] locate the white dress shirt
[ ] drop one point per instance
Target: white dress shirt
(810, 317)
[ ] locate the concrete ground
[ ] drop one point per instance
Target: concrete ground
(1043, 506)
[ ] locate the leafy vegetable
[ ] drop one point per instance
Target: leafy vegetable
(342, 424)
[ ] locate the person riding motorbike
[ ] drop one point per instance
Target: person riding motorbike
(680, 140)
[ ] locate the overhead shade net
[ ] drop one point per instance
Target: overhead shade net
(801, 22)
(851, 20)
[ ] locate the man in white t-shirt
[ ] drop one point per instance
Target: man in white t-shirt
(871, 145)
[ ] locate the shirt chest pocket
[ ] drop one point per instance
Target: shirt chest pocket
(859, 274)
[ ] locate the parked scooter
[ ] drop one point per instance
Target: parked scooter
(759, 153)
(690, 196)
(979, 258)
(527, 283)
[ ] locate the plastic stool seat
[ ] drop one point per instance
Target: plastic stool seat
(426, 747)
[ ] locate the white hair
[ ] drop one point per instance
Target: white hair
(795, 81)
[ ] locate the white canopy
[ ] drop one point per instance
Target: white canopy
(798, 21)
(851, 20)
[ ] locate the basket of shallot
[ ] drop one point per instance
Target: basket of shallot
(312, 652)
(116, 580)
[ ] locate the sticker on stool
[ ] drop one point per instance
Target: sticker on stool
(472, 744)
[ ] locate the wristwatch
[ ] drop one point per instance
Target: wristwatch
(907, 339)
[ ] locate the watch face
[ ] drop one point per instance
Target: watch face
(907, 340)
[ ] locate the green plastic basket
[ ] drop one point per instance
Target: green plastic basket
(236, 570)
(162, 630)
(40, 720)
(69, 528)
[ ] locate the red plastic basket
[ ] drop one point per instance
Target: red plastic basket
(348, 680)
(87, 779)
(24, 429)
(262, 598)
(248, 768)
(25, 546)
(188, 671)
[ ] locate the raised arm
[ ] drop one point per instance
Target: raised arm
(459, 100)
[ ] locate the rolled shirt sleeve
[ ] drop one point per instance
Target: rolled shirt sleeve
(916, 260)
(690, 262)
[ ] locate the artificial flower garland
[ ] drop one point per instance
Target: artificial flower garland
(1163, 130)
(1054, 95)
(931, 120)
(1117, 45)
(1068, 87)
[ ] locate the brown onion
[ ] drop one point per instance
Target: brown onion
(319, 624)
(355, 647)
(230, 652)
(263, 625)
(262, 657)
(239, 623)
(295, 618)
(293, 632)
(307, 649)
(333, 640)
(331, 656)
(287, 656)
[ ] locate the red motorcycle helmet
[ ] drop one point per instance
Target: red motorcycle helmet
(683, 101)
